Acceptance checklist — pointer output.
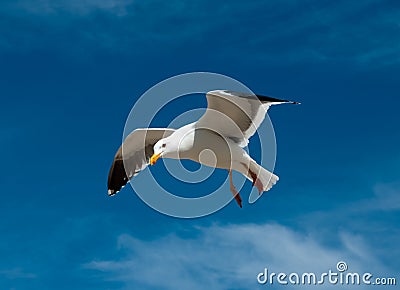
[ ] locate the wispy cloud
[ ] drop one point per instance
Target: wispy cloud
(17, 273)
(77, 7)
(386, 198)
(228, 257)
(364, 32)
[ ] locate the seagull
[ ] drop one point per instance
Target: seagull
(230, 119)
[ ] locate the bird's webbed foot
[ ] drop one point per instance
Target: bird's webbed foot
(256, 182)
(234, 191)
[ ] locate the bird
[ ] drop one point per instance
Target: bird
(230, 119)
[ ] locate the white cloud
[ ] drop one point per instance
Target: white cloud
(17, 273)
(315, 32)
(79, 7)
(387, 197)
(230, 256)
(222, 257)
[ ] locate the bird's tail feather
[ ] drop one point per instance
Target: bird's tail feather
(267, 178)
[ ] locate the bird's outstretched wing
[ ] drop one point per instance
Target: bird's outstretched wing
(236, 115)
(133, 156)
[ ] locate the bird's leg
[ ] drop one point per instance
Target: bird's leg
(234, 191)
(256, 181)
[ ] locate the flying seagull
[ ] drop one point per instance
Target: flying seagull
(230, 120)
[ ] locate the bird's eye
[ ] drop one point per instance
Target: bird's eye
(163, 145)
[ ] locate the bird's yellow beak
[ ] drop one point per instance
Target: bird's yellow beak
(154, 158)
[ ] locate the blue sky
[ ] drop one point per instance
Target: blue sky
(70, 72)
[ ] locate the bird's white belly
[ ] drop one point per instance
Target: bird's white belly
(210, 149)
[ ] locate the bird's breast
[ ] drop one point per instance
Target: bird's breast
(208, 148)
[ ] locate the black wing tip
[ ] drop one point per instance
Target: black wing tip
(261, 98)
(117, 177)
(112, 192)
(275, 100)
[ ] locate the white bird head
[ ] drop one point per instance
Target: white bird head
(159, 149)
(166, 147)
